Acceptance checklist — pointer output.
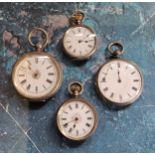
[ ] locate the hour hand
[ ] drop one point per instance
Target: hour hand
(119, 79)
(83, 40)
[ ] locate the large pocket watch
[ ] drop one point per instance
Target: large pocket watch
(79, 40)
(37, 75)
(76, 118)
(119, 81)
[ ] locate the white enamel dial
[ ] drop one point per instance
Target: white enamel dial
(76, 119)
(36, 76)
(79, 42)
(120, 81)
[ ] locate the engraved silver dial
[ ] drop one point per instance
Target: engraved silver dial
(76, 119)
(37, 76)
(79, 42)
(120, 81)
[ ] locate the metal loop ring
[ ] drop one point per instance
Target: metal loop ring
(118, 45)
(38, 44)
(75, 88)
(77, 17)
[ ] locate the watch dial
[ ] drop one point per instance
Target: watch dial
(120, 81)
(76, 119)
(80, 42)
(36, 76)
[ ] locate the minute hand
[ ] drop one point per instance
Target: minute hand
(85, 38)
(119, 79)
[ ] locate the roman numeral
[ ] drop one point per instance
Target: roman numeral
(64, 119)
(36, 60)
(70, 130)
(36, 89)
(65, 112)
(111, 68)
(70, 107)
(120, 97)
(65, 125)
(29, 67)
(43, 61)
(129, 95)
(136, 80)
(87, 124)
(89, 118)
(28, 62)
(73, 32)
(76, 105)
(23, 68)
(133, 72)
(21, 75)
(87, 111)
(69, 47)
(49, 81)
(105, 73)
(90, 46)
(103, 80)
(22, 82)
(77, 132)
(134, 88)
(44, 86)
(68, 41)
(84, 130)
(118, 65)
(50, 74)
(105, 89)
(88, 41)
(112, 95)
(82, 107)
(28, 87)
(49, 67)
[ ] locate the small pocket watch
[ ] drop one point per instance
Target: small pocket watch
(119, 81)
(37, 75)
(79, 41)
(76, 118)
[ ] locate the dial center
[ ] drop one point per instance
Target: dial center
(79, 41)
(77, 118)
(36, 74)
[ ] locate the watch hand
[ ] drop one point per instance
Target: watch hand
(82, 40)
(86, 41)
(75, 119)
(119, 79)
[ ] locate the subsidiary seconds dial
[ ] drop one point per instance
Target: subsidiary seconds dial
(120, 81)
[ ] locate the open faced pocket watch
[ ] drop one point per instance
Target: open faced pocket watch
(76, 118)
(37, 75)
(79, 41)
(119, 81)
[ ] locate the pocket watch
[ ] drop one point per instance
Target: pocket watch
(79, 41)
(76, 119)
(37, 75)
(119, 81)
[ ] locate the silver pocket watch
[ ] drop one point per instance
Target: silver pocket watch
(119, 81)
(79, 41)
(37, 75)
(77, 118)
